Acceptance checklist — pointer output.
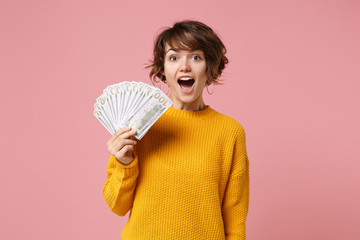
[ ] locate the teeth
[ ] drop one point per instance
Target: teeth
(185, 78)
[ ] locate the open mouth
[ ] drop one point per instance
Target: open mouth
(186, 82)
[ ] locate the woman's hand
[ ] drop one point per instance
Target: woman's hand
(121, 146)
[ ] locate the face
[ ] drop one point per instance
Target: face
(185, 73)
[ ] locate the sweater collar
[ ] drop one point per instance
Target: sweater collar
(208, 111)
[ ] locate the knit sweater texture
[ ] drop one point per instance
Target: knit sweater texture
(189, 179)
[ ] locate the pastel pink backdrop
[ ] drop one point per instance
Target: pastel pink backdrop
(292, 81)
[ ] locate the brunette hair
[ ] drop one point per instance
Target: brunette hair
(190, 35)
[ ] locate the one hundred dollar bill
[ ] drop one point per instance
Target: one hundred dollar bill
(134, 104)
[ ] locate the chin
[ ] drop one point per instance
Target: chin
(188, 99)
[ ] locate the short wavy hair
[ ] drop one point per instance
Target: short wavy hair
(190, 35)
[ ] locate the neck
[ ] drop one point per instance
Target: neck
(197, 105)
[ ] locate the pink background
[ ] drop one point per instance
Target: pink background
(293, 82)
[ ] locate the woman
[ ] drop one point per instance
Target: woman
(188, 177)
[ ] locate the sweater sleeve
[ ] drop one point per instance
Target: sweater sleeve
(236, 199)
(119, 188)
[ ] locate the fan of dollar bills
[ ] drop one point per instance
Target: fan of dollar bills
(134, 104)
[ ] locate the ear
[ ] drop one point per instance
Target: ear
(162, 73)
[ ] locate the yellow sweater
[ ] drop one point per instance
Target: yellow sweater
(189, 180)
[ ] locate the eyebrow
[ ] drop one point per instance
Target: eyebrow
(170, 50)
(179, 50)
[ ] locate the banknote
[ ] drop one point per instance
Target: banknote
(134, 104)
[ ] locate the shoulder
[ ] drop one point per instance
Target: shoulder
(229, 124)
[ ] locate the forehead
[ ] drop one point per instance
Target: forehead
(169, 48)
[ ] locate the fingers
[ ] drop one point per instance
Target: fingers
(119, 132)
(124, 152)
(128, 134)
(124, 132)
(121, 146)
(122, 142)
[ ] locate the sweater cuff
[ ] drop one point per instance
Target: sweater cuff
(127, 169)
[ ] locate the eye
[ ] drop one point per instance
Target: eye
(196, 57)
(173, 58)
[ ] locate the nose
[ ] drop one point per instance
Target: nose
(185, 67)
